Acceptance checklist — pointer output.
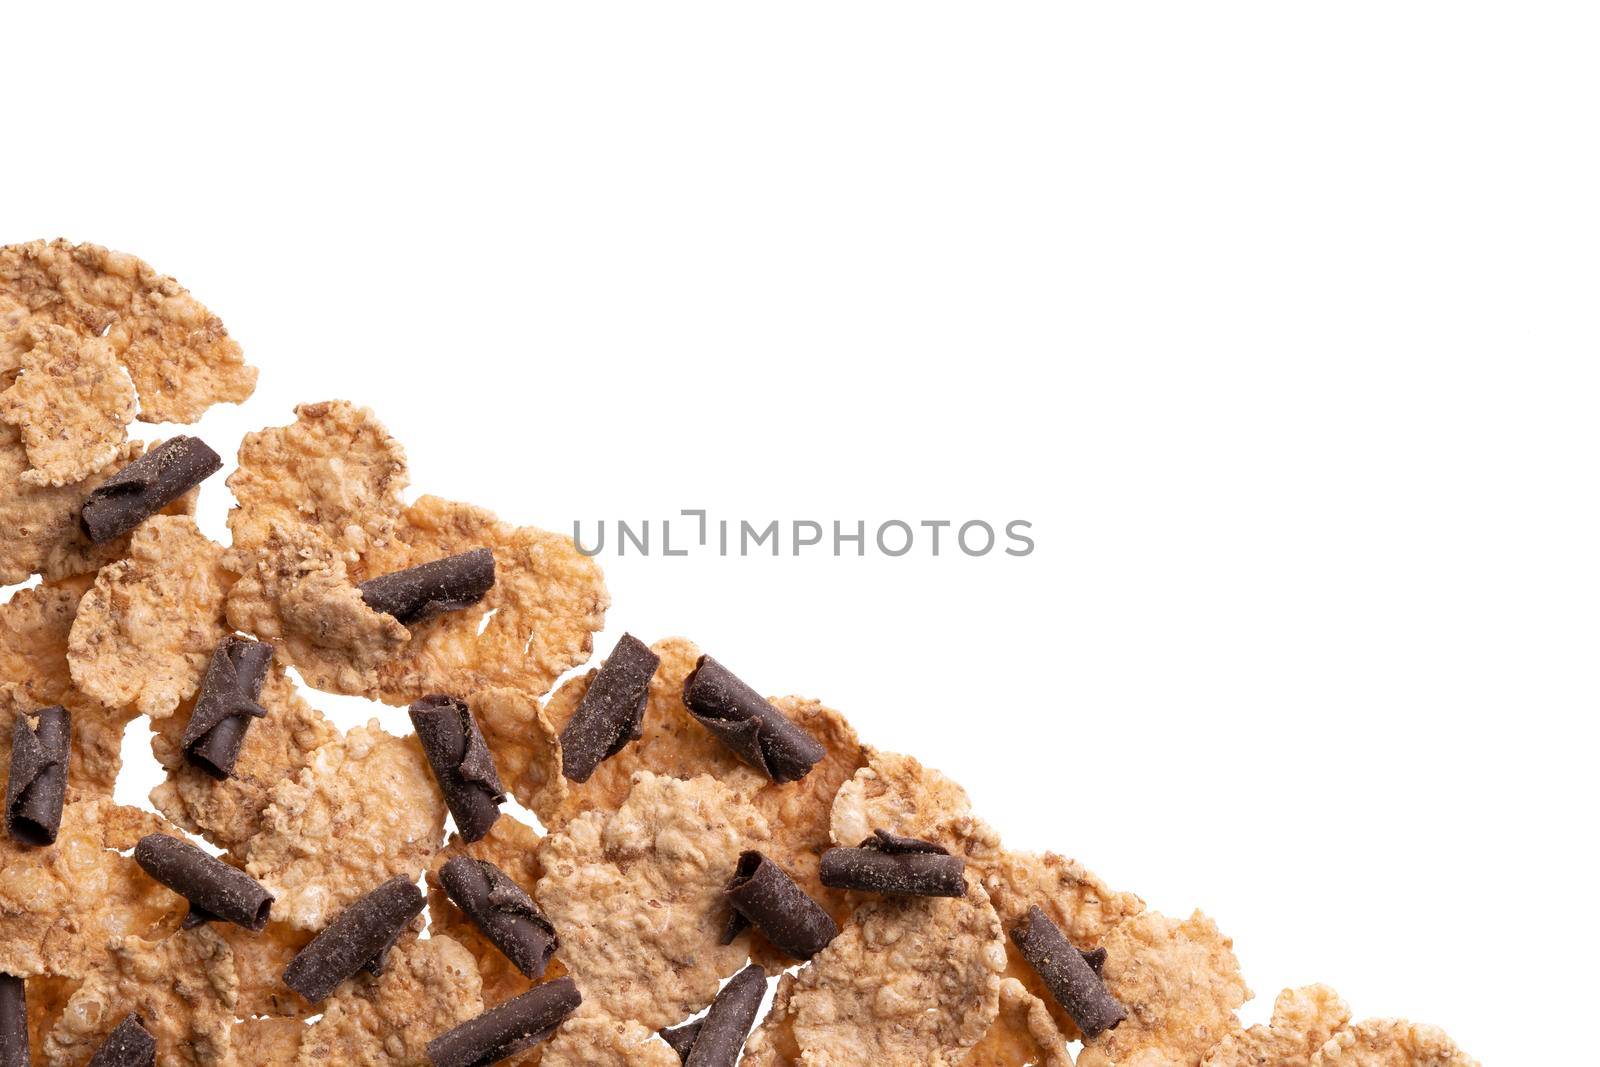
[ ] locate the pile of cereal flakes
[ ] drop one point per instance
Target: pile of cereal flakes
(696, 839)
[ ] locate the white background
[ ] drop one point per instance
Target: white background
(1276, 320)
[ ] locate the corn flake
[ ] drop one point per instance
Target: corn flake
(146, 630)
(1180, 983)
(1302, 1021)
(178, 354)
(636, 896)
(1391, 1043)
(72, 403)
(590, 1038)
(364, 810)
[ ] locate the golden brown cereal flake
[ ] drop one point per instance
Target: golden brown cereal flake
(268, 1041)
(34, 625)
(97, 732)
(72, 403)
(1024, 1032)
(426, 988)
(60, 905)
(908, 982)
(146, 630)
(1302, 1021)
(527, 753)
(184, 987)
(41, 521)
(179, 355)
(1180, 983)
(1391, 1043)
(1075, 898)
(535, 624)
(512, 846)
(296, 593)
(334, 472)
(636, 896)
(259, 957)
(363, 811)
(590, 1038)
(47, 999)
(897, 793)
(228, 813)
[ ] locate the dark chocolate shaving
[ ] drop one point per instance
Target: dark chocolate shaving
(41, 743)
(681, 1038)
(716, 1040)
(419, 593)
(1095, 958)
(612, 712)
(513, 1027)
(13, 1022)
(752, 728)
(1072, 980)
(129, 1045)
(504, 912)
(461, 762)
(763, 895)
(360, 937)
(229, 696)
(889, 863)
(145, 486)
(214, 889)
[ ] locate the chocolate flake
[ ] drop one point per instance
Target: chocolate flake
(1070, 975)
(763, 894)
(229, 699)
(460, 758)
(40, 745)
(360, 937)
(214, 889)
(612, 711)
(716, 1040)
(13, 1022)
(889, 863)
(419, 593)
(145, 486)
(748, 724)
(504, 912)
(517, 1025)
(129, 1045)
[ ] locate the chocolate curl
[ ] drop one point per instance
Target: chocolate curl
(13, 1022)
(214, 889)
(461, 762)
(145, 486)
(360, 938)
(612, 712)
(503, 911)
(889, 863)
(517, 1025)
(130, 1045)
(752, 728)
(228, 701)
(716, 1040)
(417, 594)
(763, 894)
(1068, 974)
(38, 782)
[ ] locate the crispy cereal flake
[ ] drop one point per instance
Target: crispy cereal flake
(228, 813)
(909, 981)
(1024, 1032)
(179, 355)
(1302, 1020)
(72, 403)
(427, 987)
(260, 957)
(1180, 983)
(363, 811)
(537, 623)
(59, 906)
(184, 987)
(146, 630)
(636, 896)
(590, 1038)
(1391, 1043)
(272, 1042)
